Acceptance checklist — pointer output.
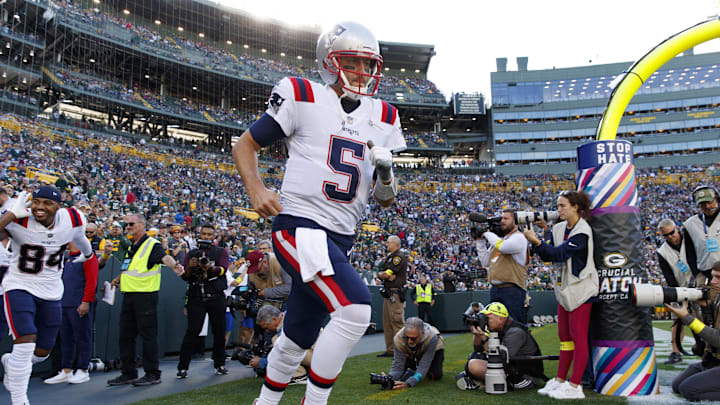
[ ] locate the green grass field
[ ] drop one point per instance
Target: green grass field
(352, 387)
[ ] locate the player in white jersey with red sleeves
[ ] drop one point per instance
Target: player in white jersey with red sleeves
(33, 283)
(337, 136)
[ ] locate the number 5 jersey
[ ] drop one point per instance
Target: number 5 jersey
(328, 172)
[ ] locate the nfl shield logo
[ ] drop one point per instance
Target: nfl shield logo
(50, 235)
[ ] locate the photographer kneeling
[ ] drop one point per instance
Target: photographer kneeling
(206, 284)
(517, 340)
(419, 351)
(271, 319)
(701, 381)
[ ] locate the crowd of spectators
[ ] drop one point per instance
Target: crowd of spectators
(114, 177)
(222, 59)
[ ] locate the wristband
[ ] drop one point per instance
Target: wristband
(696, 326)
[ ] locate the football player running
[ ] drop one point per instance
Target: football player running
(40, 231)
(340, 143)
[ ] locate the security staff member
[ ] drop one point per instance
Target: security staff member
(673, 263)
(425, 300)
(393, 274)
(702, 231)
(700, 381)
(507, 261)
(206, 296)
(139, 281)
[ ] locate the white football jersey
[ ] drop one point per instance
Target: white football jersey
(4, 261)
(328, 173)
(36, 262)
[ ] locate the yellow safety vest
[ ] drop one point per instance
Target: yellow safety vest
(137, 277)
(423, 296)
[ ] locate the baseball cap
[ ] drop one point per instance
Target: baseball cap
(48, 192)
(703, 194)
(254, 259)
(116, 224)
(495, 308)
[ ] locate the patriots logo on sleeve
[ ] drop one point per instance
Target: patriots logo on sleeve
(275, 102)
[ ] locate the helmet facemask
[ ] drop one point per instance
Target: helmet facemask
(368, 80)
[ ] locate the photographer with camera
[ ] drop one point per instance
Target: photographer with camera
(507, 261)
(701, 381)
(393, 274)
(206, 295)
(419, 351)
(514, 338)
(271, 319)
(576, 287)
(268, 276)
(673, 263)
(702, 233)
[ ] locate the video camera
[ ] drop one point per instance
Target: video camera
(470, 275)
(649, 295)
(493, 224)
(245, 352)
(244, 298)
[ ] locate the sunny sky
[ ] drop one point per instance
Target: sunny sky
(469, 35)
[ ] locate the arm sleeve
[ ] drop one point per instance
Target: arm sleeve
(574, 248)
(281, 108)
(424, 364)
(710, 335)
(280, 291)
(266, 131)
(690, 253)
(156, 255)
(90, 268)
(262, 363)
(516, 243)
(483, 252)
(398, 364)
(667, 272)
(82, 242)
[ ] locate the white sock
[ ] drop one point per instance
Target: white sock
(19, 368)
(347, 325)
(283, 360)
(36, 359)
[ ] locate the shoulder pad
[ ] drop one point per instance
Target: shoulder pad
(75, 217)
(302, 89)
(389, 113)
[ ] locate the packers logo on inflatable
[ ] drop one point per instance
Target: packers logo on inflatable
(615, 260)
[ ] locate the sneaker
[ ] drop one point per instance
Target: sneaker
(61, 377)
(551, 385)
(121, 380)
(181, 374)
(79, 377)
(524, 384)
(301, 380)
(221, 370)
(146, 380)
(567, 391)
(385, 354)
(466, 383)
(674, 357)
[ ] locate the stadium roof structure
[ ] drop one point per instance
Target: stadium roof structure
(397, 55)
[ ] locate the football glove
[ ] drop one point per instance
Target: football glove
(21, 206)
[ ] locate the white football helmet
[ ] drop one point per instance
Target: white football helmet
(349, 39)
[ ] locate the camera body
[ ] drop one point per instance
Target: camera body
(650, 295)
(493, 224)
(244, 298)
(479, 320)
(246, 352)
(386, 382)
